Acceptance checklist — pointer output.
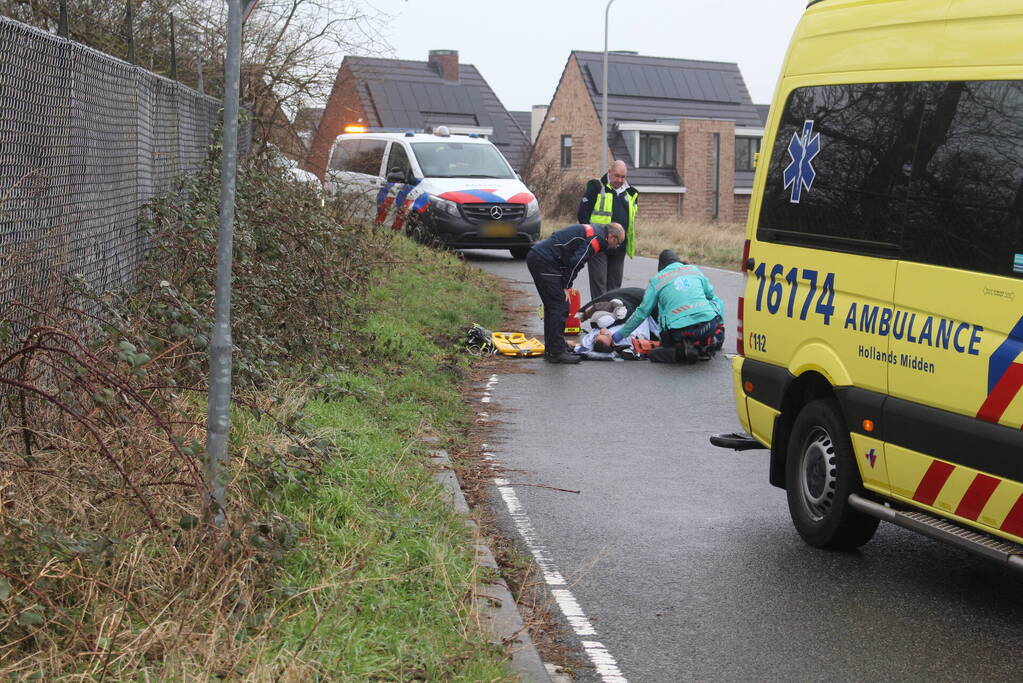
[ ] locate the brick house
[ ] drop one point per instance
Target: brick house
(403, 94)
(687, 130)
(270, 124)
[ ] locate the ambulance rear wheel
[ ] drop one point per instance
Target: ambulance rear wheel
(820, 473)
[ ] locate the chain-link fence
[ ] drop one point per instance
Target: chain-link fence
(85, 141)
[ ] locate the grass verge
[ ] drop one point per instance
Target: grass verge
(340, 559)
(393, 567)
(705, 244)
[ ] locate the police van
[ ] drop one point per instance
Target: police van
(881, 325)
(457, 190)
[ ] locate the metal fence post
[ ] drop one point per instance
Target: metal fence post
(62, 23)
(220, 346)
(174, 55)
(129, 18)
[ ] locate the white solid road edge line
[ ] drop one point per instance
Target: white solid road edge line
(604, 663)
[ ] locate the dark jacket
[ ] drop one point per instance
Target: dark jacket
(619, 206)
(570, 248)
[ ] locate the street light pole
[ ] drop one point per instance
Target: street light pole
(603, 140)
(219, 420)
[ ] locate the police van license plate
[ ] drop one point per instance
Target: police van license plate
(497, 229)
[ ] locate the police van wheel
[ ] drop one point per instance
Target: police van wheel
(415, 230)
(820, 473)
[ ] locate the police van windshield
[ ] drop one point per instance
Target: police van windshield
(461, 160)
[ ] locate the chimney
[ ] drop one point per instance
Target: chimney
(445, 63)
(536, 120)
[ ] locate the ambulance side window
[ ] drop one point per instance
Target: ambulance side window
(967, 181)
(839, 171)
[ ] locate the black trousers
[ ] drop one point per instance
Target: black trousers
(547, 278)
(605, 270)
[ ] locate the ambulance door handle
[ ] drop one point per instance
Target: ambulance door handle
(750, 263)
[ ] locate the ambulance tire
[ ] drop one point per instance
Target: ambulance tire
(820, 473)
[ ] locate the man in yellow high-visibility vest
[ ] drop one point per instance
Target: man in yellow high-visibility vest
(610, 200)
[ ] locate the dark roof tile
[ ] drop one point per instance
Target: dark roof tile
(398, 93)
(523, 119)
(644, 88)
(665, 90)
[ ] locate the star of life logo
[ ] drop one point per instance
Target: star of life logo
(871, 457)
(800, 174)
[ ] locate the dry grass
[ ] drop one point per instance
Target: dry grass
(338, 561)
(705, 244)
(106, 568)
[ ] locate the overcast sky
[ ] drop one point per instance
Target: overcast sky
(520, 46)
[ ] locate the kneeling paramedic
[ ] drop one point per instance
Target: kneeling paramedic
(690, 314)
(554, 264)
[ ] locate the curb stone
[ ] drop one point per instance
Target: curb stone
(494, 602)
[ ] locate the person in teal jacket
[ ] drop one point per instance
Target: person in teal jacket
(691, 316)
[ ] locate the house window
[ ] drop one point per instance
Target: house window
(657, 150)
(566, 151)
(715, 172)
(745, 153)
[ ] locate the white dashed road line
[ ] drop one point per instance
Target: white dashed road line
(602, 660)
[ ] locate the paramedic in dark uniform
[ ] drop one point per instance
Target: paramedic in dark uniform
(554, 264)
(610, 200)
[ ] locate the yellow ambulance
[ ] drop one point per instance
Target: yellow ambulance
(880, 340)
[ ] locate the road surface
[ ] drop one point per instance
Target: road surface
(676, 561)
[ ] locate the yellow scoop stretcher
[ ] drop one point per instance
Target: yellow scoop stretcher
(516, 344)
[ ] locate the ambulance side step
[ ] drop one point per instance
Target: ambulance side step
(736, 441)
(944, 530)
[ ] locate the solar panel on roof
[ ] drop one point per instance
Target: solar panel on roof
(477, 105)
(667, 82)
(419, 104)
(400, 92)
(441, 119)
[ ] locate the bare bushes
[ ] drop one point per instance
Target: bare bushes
(107, 568)
(557, 194)
(106, 565)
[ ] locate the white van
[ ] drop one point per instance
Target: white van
(456, 189)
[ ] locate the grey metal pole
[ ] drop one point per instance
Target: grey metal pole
(130, 21)
(220, 345)
(62, 22)
(174, 54)
(603, 140)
